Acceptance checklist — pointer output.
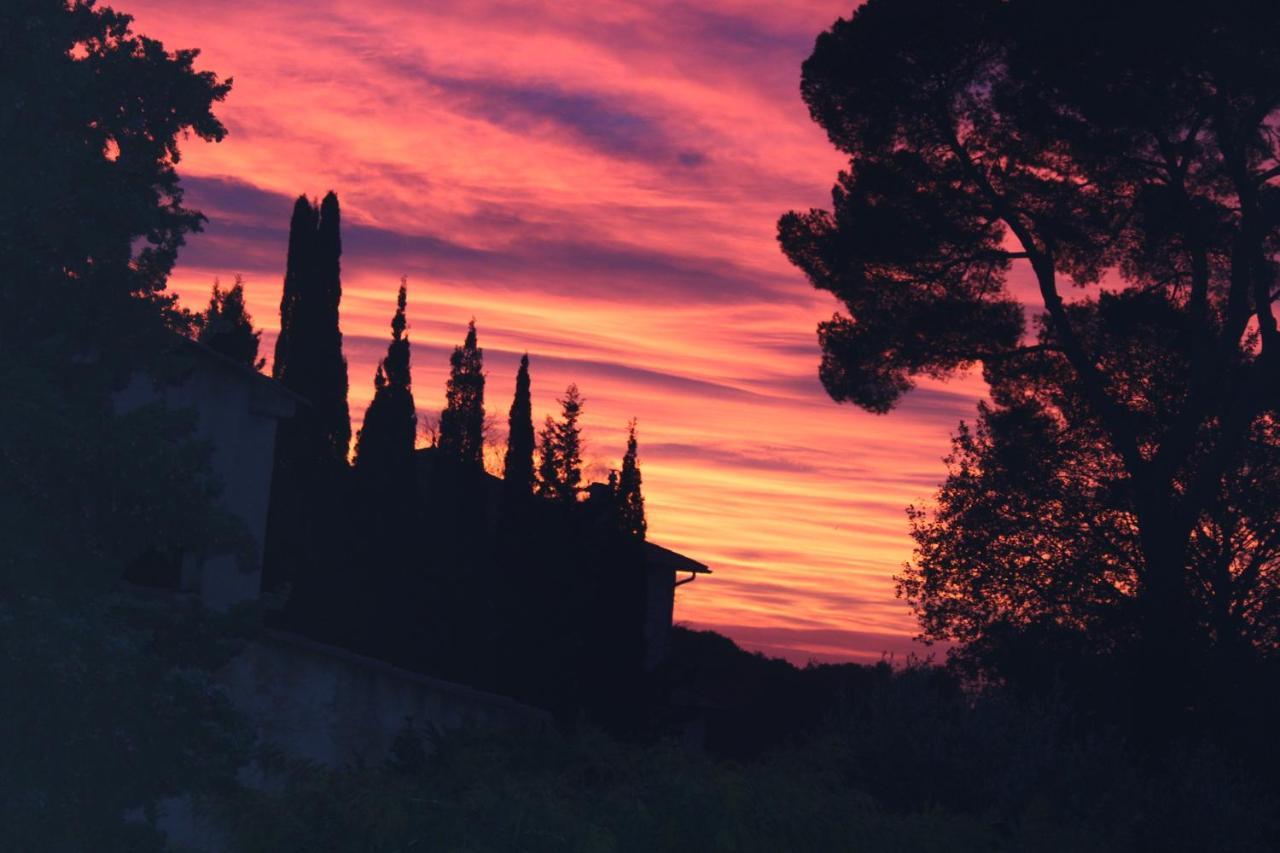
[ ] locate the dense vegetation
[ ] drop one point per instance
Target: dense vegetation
(904, 761)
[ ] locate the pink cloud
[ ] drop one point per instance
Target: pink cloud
(597, 184)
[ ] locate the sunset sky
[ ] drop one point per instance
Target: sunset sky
(598, 184)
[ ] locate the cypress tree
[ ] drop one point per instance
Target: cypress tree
(517, 468)
(331, 365)
(462, 421)
(226, 327)
(630, 501)
(384, 446)
(302, 234)
(308, 484)
(309, 356)
(383, 605)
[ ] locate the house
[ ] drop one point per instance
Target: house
(664, 569)
(237, 411)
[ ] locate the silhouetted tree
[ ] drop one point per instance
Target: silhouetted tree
(1084, 139)
(1032, 543)
(548, 460)
(299, 260)
(560, 469)
(387, 605)
(627, 488)
(462, 421)
(517, 468)
(384, 446)
(308, 484)
(309, 357)
(118, 709)
(226, 327)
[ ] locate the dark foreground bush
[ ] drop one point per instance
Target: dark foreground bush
(587, 793)
(910, 770)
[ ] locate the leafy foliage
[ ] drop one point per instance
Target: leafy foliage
(1085, 144)
(113, 708)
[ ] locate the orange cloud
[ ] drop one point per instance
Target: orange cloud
(596, 184)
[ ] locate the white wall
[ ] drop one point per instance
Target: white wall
(237, 413)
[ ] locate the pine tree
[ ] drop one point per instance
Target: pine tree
(384, 446)
(226, 327)
(630, 501)
(569, 443)
(462, 421)
(549, 462)
(560, 471)
(517, 468)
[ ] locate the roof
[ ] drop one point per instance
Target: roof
(664, 558)
(262, 384)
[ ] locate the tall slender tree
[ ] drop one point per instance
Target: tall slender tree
(384, 606)
(226, 327)
(331, 365)
(517, 468)
(298, 260)
(384, 446)
(629, 499)
(309, 356)
(307, 487)
(462, 421)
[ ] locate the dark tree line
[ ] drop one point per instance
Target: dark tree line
(524, 584)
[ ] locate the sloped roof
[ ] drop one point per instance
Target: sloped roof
(664, 558)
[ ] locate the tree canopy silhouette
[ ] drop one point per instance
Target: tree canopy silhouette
(1089, 143)
(462, 421)
(226, 327)
(1032, 539)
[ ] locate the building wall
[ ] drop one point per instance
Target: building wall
(660, 595)
(333, 707)
(328, 706)
(237, 413)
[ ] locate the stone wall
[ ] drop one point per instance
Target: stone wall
(333, 707)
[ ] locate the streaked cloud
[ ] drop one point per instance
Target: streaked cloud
(596, 184)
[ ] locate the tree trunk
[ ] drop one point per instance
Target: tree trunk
(1164, 681)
